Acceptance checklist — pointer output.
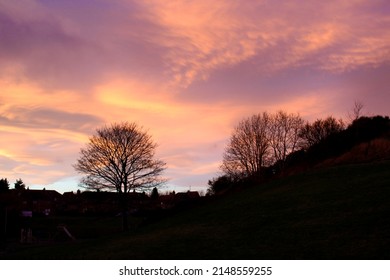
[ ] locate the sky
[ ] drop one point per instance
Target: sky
(186, 71)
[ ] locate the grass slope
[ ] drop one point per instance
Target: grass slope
(334, 213)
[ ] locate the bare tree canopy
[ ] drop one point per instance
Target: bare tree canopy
(120, 157)
(248, 149)
(314, 133)
(356, 111)
(284, 134)
(260, 141)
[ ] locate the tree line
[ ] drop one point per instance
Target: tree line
(4, 185)
(265, 139)
(266, 145)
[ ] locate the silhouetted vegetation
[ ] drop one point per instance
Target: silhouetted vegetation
(319, 141)
(4, 185)
(120, 158)
(260, 141)
(356, 111)
(313, 134)
(220, 184)
(154, 195)
(19, 185)
(364, 129)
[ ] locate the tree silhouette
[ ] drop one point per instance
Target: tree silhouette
(284, 134)
(154, 195)
(4, 185)
(260, 141)
(248, 149)
(120, 157)
(19, 185)
(356, 111)
(319, 130)
(219, 184)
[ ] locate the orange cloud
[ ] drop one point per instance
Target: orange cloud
(202, 38)
(157, 110)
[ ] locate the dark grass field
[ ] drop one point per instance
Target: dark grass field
(341, 212)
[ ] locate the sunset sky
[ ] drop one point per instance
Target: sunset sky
(187, 71)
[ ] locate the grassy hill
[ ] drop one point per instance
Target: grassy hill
(340, 212)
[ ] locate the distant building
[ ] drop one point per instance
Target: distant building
(41, 202)
(189, 195)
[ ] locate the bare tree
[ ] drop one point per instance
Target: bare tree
(314, 133)
(284, 134)
(248, 150)
(356, 111)
(120, 157)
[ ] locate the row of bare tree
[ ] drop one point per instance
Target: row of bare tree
(265, 139)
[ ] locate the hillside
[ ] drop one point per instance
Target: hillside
(338, 212)
(374, 150)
